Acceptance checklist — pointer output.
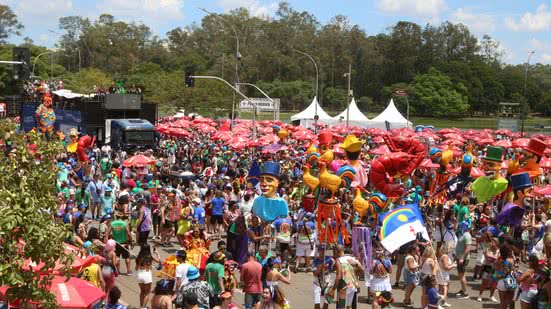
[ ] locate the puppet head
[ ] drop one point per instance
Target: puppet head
(467, 162)
(533, 153)
(491, 163)
(325, 139)
(352, 146)
(378, 201)
(522, 188)
(73, 133)
(435, 155)
(269, 179)
(47, 100)
(282, 134)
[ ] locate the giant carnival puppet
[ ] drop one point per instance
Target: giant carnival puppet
(530, 159)
(511, 214)
(268, 206)
(492, 184)
(442, 174)
(352, 147)
(45, 115)
(407, 154)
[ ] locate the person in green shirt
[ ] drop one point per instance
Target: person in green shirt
(120, 232)
(461, 210)
(214, 273)
(82, 197)
(462, 253)
(138, 189)
(105, 164)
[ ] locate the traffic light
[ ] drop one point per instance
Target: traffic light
(190, 81)
(21, 71)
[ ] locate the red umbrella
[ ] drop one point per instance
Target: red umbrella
(138, 161)
(545, 163)
(503, 132)
(453, 142)
(543, 191)
(446, 131)
(475, 172)
(74, 293)
(304, 135)
(178, 132)
(471, 132)
(381, 150)
(378, 140)
(77, 265)
(505, 143)
(427, 164)
(486, 141)
(520, 142)
(454, 136)
(539, 136)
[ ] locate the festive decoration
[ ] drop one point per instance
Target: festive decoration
(45, 115)
(486, 187)
(512, 212)
(267, 206)
(84, 143)
(443, 158)
(361, 246)
(352, 147)
(400, 226)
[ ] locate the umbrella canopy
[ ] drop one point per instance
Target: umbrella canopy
(486, 141)
(520, 142)
(381, 150)
(138, 161)
(74, 293)
(545, 163)
(543, 191)
(475, 172)
(428, 164)
(454, 136)
(505, 143)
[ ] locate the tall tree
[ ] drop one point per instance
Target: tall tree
(9, 24)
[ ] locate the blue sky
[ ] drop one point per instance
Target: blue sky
(520, 25)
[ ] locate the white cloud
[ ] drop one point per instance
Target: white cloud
(146, 11)
(39, 12)
(539, 21)
(418, 8)
(478, 23)
(541, 49)
(255, 7)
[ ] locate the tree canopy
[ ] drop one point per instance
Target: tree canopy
(134, 54)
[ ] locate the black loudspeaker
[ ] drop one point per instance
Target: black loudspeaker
(22, 71)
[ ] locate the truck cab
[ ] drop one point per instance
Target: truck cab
(130, 134)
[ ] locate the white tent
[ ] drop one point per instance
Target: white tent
(306, 117)
(356, 117)
(392, 116)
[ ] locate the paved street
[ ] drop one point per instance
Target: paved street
(299, 293)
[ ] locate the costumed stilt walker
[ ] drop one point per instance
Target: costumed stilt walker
(492, 184)
(45, 116)
(443, 158)
(268, 206)
(511, 214)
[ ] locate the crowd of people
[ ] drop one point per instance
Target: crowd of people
(195, 191)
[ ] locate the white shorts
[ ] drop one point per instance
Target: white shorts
(436, 236)
(144, 276)
(528, 296)
(443, 277)
(501, 286)
(350, 292)
(380, 284)
(317, 295)
(480, 258)
(305, 251)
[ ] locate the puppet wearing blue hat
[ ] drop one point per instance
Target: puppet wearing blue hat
(512, 212)
(268, 206)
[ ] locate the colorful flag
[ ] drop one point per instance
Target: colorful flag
(400, 226)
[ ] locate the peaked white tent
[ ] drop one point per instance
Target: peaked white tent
(306, 117)
(392, 116)
(356, 117)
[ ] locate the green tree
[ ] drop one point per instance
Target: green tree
(28, 203)
(88, 80)
(9, 24)
(434, 94)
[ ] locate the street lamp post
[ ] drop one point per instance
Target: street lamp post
(237, 55)
(236, 91)
(36, 58)
(317, 86)
(263, 93)
(348, 95)
(523, 114)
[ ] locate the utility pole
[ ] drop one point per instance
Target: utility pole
(523, 112)
(349, 95)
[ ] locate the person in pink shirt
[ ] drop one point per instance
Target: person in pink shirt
(251, 280)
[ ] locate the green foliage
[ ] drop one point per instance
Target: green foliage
(87, 80)
(131, 52)
(434, 94)
(28, 205)
(9, 24)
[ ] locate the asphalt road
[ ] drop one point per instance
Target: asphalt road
(299, 292)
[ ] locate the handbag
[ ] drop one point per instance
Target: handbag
(510, 282)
